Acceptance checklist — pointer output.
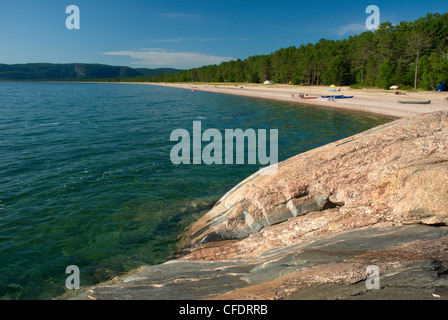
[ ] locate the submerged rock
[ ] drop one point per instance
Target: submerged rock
(379, 198)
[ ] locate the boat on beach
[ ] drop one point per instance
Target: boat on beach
(308, 97)
(415, 101)
(338, 97)
(333, 96)
(344, 97)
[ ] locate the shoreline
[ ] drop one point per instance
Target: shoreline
(373, 101)
(379, 102)
(376, 101)
(288, 258)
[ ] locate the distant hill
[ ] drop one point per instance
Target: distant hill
(74, 71)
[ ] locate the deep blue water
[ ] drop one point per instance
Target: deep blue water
(86, 177)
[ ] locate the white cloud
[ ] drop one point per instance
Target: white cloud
(156, 57)
(352, 28)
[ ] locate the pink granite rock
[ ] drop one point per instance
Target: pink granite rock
(311, 230)
(391, 175)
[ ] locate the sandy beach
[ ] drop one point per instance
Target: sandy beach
(376, 101)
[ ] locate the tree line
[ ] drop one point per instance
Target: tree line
(74, 72)
(410, 54)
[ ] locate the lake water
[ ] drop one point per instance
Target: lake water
(86, 177)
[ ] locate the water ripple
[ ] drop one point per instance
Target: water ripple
(86, 177)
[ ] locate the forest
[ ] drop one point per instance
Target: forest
(411, 54)
(73, 72)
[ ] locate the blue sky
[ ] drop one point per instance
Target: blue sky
(182, 34)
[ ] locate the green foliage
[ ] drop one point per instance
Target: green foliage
(393, 54)
(386, 74)
(75, 71)
(435, 71)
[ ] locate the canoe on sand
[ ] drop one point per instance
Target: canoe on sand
(338, 97)
(344, 97)
(415, 101)
(335, 96)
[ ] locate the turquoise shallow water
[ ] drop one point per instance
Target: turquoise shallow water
(86, 177)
